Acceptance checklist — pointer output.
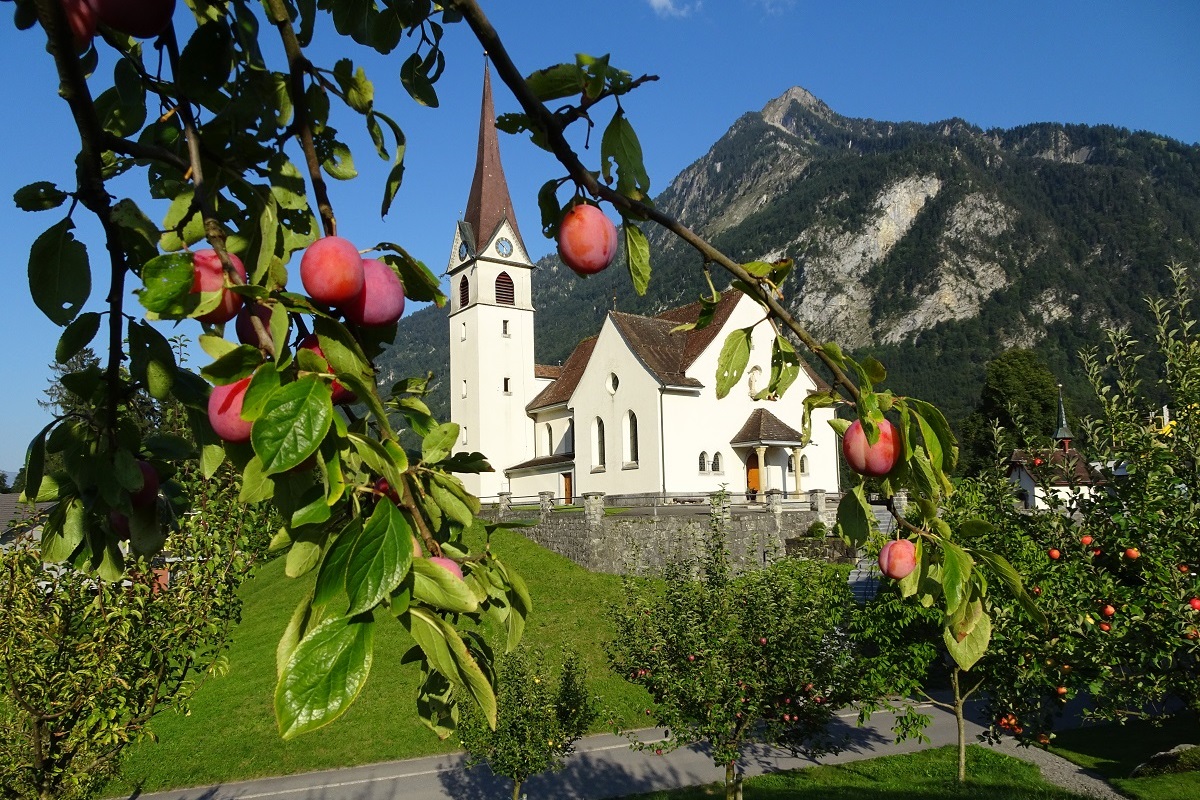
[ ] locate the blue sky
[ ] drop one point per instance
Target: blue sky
(993, 64)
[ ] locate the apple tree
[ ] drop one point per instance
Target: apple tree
(1114, 568)
(237, 140)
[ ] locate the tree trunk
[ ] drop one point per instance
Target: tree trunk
(959, 702)
(732, 786)
(516, 795)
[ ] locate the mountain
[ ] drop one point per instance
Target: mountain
(933, 247)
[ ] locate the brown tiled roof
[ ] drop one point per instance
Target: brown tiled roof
(489, 202)
(561, 390)
(12, 510)
(551, 371)
(1055, 467)
(651, 340)
(542, 461)
(763, 426)
(697, 341)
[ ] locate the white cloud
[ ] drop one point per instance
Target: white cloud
(671, 8)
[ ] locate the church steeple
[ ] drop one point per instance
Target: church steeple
(489, 202)
(1063, 435)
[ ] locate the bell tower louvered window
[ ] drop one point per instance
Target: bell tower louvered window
(464, 292)
(504, 289)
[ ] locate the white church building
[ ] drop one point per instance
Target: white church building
(633, 410)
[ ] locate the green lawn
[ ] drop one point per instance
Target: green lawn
(926, 775)
(1114, 750)
(231, 735)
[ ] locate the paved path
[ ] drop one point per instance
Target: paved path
(603, 767)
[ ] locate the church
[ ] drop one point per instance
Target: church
(633, 411)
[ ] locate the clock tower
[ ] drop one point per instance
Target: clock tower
(491, 320)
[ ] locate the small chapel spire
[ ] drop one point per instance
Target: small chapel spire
(489, 202)
(1063, 435)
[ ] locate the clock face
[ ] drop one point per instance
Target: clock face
(462, 251)
(504, 248)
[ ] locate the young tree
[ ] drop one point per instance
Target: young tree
(730, 659)
(539, 720)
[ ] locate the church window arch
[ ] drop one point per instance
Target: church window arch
(598, 459)
(505, 293)
(716, 462)
(569, 436)
(549, 440)
(703, 461)
(791, 464)
(803, 465)
(631, 438)
(464, 292)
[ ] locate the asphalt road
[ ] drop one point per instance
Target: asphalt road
(603, 767)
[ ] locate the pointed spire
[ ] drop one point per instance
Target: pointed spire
(1063, 435)
(489, 201)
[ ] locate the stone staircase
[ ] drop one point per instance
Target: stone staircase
(864, 578)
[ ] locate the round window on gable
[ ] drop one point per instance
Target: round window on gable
(613, 383)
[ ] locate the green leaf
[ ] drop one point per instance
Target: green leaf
(234, 365)
(550, 207)
(731, 363)
(377, 458)
(785, 367)
(64, 530)
(556, 82)
(909, 583)
(417, 83)
(35, 464)
(360, 92)
(438, 443)
(293, 422)
(314, 512)
(932, 417)
(620, 146)
(998, 565)
(967, 652)
(854, 517)
(420, 284)
(637, 256)
(519, 603)
(151, 359)
(454, 500)
(324, 675)
(297, 628)
(60, 278)
(435, 586)
(78, 335)
(956, 575)
(331, 579)
(256, 485)
(39, 196)
(339, 162)
(447, 653)
(380, 559)
(167, 285)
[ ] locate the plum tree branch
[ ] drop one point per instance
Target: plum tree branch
(91, 191)
(542, 118)
(298, 65)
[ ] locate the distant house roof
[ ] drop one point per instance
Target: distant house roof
(551, 371)
(1055, 467)
(763, 427)
(14, 512)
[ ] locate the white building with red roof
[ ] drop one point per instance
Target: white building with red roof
(633, 410)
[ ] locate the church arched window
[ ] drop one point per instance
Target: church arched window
(504, 289)
(716, 462)
(598, 443)
(549, 440)
(803, 465)
(464, 292)
(631, 438)
(703, 461)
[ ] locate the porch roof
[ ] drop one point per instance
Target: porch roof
(764, 428)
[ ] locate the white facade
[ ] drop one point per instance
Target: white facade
(634, 410)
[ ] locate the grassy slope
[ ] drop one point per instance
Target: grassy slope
(1114, 750)
(231, 735)
(926, 775)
